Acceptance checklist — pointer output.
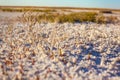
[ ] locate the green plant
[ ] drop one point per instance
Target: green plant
(78, 17)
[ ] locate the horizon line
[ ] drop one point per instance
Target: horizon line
(67, 7)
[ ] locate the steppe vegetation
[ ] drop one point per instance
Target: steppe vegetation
(71, 17)
(26, 9)
(51, 15)
(48, 45)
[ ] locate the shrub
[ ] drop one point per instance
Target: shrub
(78, 17)
(47, 18)
(100, 19)
(106, 11)
(111, 19)
(106, 19)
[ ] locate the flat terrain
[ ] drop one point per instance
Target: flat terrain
(58, 51)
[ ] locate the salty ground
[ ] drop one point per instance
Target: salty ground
(58, 51)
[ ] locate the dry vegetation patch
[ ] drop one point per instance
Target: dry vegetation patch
(105, 11)
(53, 15)
(26, 9)
(71, 17)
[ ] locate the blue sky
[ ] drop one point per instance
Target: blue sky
(115, 4)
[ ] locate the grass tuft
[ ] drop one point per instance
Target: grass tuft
(26, 9)
(71, 17)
